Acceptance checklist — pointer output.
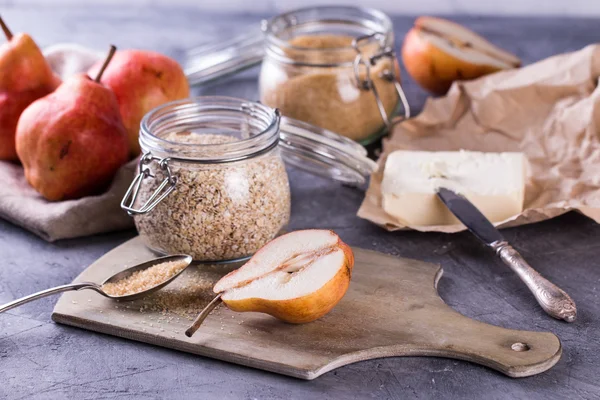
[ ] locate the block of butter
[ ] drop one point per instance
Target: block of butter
(493, 182)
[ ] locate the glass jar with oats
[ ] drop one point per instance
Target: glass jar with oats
(334, 67)
(212, 182)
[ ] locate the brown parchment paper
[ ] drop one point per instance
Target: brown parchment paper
(549, 110)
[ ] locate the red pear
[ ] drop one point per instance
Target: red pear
(72, 142)
(142, 80)
(25, 76)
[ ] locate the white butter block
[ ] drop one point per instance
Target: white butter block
(494, 182)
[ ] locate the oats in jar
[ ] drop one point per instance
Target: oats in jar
(221, 211)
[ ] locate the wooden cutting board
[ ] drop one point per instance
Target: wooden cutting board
(391, 309)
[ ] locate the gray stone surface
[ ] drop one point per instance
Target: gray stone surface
(42, 360)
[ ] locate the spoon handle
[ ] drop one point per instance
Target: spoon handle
(48, 292)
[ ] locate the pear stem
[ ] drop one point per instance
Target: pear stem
(203, 314)
(5, 29)
(109, 57)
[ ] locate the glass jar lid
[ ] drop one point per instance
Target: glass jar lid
(305, 146)
(324, 153)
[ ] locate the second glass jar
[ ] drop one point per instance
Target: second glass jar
(332, 67)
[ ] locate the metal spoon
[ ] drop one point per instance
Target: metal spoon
(98, 287)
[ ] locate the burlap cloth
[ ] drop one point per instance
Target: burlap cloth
(23, 206)
(549, 110)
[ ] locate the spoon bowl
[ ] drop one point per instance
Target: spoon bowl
(139, 267)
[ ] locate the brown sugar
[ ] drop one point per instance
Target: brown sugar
(186, 296)
(328, 95)
(145, 279)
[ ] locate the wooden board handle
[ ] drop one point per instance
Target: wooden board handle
(515, 353)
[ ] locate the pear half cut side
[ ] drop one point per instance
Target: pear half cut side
(298, 277)
(437, 52)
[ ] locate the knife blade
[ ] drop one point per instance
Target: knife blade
(470, 216)
(555, 301)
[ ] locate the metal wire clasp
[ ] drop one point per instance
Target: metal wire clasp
(162, 191)
(390, 75)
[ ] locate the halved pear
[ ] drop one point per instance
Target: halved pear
(297, 277)
(437, 52)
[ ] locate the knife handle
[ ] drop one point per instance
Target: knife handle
(553, 299)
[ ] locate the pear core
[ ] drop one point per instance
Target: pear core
(275, 254)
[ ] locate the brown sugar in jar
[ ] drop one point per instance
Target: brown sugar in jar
(320, 86)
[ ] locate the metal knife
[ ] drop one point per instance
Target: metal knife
(553, 300)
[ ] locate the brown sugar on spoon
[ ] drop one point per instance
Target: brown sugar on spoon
(145, 279)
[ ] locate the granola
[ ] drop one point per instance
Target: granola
(218, 211)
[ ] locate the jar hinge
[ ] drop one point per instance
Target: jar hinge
(390, 75)
(163, 190)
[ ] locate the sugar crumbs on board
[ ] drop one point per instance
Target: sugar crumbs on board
(185, 297)
(145, 279)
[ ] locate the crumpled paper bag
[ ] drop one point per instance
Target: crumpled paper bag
(23, 206)
(549, 110)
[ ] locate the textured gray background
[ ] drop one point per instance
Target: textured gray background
(460, 7)
(42, 360)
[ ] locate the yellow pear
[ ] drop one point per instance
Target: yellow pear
(436, 52)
